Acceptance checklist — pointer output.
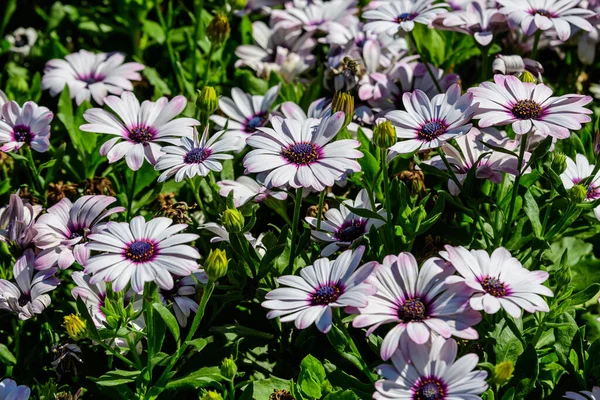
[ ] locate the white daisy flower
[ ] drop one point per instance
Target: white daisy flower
(10, 391)
(141, 127)
(298, 154)
(93, 296)
(29, 125)
(246, 189)
(195, 157)
(392, 16)
(90, 75)
(584, 395)
(309, 298)
(140, 252)
(179, 296)
(578, 171)
(499, 281)
(17, 220)
(22, 40)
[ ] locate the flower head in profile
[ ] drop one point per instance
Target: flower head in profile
(309, 298)
(392, 16)
(182, 295)
(195, 156)
(17, 220)
(527, 106)
(90, 75)
(29, 125)
(340, 228)
(499, 281)
(22, 40)
(578, 171)
(63, 231)
(93, 296)
(476, 20)
(430, 372)
(246, 189)
(139, 129)
(10, 391)
(29, 296)
(223, 236)
(427, 124)
(417, 302)
(140, 252)
(584, 394)
(533, 15)
(517, 65)
(299, 154)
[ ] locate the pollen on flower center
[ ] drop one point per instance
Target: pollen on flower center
(405, 17)
(255, 122)
(544, 13)
(24, 299)
(141, 134)
(197, 155)
(493, 286)
(22, 133)
(140, 251)
(527, 109)
(326, 295)
(412, 310)
(301, 153)
(429, 389)
(349, 231)
(432, 130)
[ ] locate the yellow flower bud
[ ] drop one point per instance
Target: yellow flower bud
(211, 395)
(384, 135)
(503, 372)
(75, 326)
(216, 264)
(238, 4)
(218, 29)
(233, 220)
(559, 163)
(228, 368)
(207, 100)
(527, 77)
(343, 102)
(578, 193)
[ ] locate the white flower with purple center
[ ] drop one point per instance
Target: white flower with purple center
(179, 296)
(10, 391)
(476, 20)
(22, 40)
(578, 171)
(29, 125)
(195, 157)
(418, 302)
(298, 154)
(17, 220)
(93, 296)
(527, 106)
(90, 75)
(584, 394)
(310, 297)
(244, 113)
(63, 231)
(431, 372)
(392, 16)
(341, 228)
(30, 295)
(139, 128)
(246, 189)
(532, 15)
(427, 124)
(140, 252)
(499, 281)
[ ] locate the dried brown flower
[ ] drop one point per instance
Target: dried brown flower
(415, 180)
(58, 191)
(281, 394)
(98, 185)
(313, 211)
(178, 211)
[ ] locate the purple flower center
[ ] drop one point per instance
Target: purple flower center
(141, 134)
(92, 77)
(255, 122)
(405, 17)
(432, 130)
(592, 193)
(197, 155)
(412, 310)
(21, 40)
(527, 109)
(429, 389)
(326, 295)
(140, 251)
(301, 153)
(493, 286)
(351, 230)
(544, 13)
(22, 133)
(24, 299)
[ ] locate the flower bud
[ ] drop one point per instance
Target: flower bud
(563, 276)
(578, 193)
(527, 77)
(559, 163)
(503, 372)
(228, 368)
(207, 100)
(211, 395)
(75, 326)
(384, 134)
(216, 264)
(218, 29)
(233, 220)
(238, 4)
(343, 102)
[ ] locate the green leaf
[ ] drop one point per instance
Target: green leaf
(526, 372)
(198, 344)
(203, 377)
(585, 295)
(168, 318)
(564, 336)
(58, 156)
(309, 384)
(364, 212)
(116, 378)
(430, 43)
(342, 395)
(160, 86)
(508, 347)
(154, 30)
(263, 388)
(533, 212)
(6, 356)
(509, 395)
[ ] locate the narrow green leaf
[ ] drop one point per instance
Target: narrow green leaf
(6, 356)
(533, 212)
(169, 319)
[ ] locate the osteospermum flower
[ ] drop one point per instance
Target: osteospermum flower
(584, 394)
(340, 228)
(579, 170)
(298, 154)
(532, 15)
(140, 252)
(179, 296)
(29, 296)
(17, 220)
(427, 124)
(309, 298)
(246, 189)
(22, 40)
(64, 229)
(10, 391)
(29, 125)
(430, 373)
(528, 106)
(390, 17)
(140, 127)
(245, 113)
(418, 302)
(499, 281)
(476, 20)
(195, 157)
(90, 75)
(93, 295)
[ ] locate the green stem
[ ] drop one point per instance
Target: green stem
(297, 205)
(131, 195)
(485, 55)
(388, 203)
(342, 327)
(536, 42)
(198, 32)
(136, 357)
(37, 179)
(320, 209)
(167, 31)
(515, 189)
(196, 191)
(208, 60)
(425, 61)
(539, 331)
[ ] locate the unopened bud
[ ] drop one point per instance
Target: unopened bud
(559, 163)
(233, 220)
(563, 276)
(503, 372)
(384, 135)
(218, 29)
(211, 395)
(343, 102)
(238, 4)
(207, 100)
(228, 368)
(527, 77)
(216, 264)
(75, 326)
(578, 193)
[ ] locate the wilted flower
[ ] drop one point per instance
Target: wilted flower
(246, 189)
(516, 65)
(67, 357)
(29, 125)
(10, 391)
(22, 40)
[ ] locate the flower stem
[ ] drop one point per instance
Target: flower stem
(515, 188)
(37, 179)
(295, 222)
(485, 61)
(536, 42)
(196, 191)
(131, 195)
(320, 209)
(198, 32)
(388, 198)
(208, 60)
(425, 62)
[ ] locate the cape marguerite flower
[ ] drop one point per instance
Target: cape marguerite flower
(140, 252)
(476, 20)
(427, 124)
(90, 75)
(584, 395)
(418, 302)
(528, 106)
(10, 391)
(309, 298)
(29, 125)
(93, 295)
(499, 281)
(22, 40)
(392, 16)
(298, 154)
(17, 220)
(140, 127)
(195, 157)
(246, 189)
(179, 296)
(576, 172)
